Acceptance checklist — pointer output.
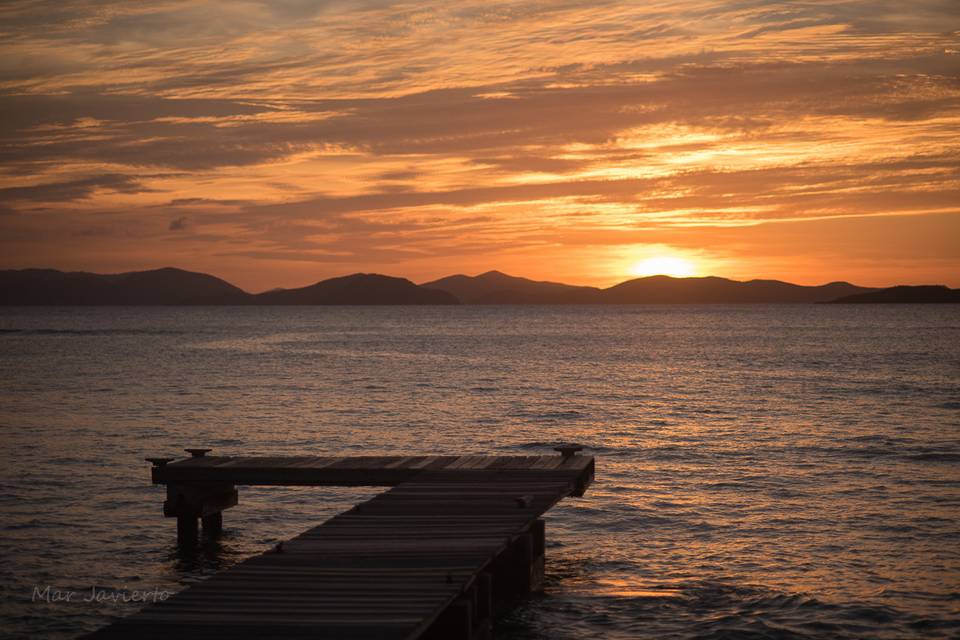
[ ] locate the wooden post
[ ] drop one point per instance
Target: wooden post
(187, 530)
(213, 525)
(456, 621)
(524, 563)
(538, 553)
(483, 614)
(512, 571)
(204, 503)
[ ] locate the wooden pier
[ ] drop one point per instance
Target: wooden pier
(455, 540)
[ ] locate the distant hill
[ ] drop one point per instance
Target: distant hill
(713, 290)
(926, 294)
(359, 288)
(166, 286)
(494, 287)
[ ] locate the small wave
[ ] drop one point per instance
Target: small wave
(883, 439)
(549, 415)
(674, 452)
(531, 446)
(730, 486)
(96, 332)
(934, 456)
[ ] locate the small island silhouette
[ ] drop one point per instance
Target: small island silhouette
(172, 286)
(924, 294)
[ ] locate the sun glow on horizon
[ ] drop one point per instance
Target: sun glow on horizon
(664, 266)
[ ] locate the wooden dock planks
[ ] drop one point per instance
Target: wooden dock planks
(429, 558)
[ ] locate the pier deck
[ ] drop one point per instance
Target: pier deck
(455, 540)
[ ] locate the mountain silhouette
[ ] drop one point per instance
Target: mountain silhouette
(494, 287)
(924, 294)
(713, 290)
(167, 286)
(171, 286)
(359, 288)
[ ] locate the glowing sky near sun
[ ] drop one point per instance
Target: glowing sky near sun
(278, 143)
(664, 266)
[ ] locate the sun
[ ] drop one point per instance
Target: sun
(664, 266)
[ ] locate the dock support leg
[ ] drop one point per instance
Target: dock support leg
(538, 561)
(484, 612)
(187, 531)
(512, 571)
(189, 503)
(524, 564)
(519, 570)
(213, 525)
(456, 621)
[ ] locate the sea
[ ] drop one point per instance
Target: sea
(763, 471)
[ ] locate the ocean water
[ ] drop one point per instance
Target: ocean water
(762, 472)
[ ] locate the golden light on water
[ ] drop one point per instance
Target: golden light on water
(674, 266)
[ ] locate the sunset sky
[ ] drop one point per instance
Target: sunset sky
(280, 143)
